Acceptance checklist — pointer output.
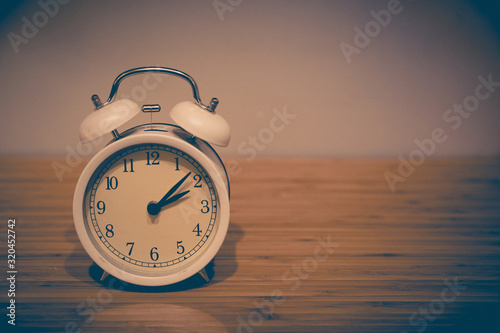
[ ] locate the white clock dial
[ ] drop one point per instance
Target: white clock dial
(119, 224)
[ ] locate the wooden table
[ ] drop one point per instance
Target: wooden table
(314, 246)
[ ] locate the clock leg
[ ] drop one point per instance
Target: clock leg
(104, 275)
(204, 274)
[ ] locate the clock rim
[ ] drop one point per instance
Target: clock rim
(168, 139)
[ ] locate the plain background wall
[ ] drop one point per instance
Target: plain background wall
(256, 57)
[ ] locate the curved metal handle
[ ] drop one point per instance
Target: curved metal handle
(164, 70)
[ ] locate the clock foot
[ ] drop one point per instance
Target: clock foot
(204, 274)
(104, 275)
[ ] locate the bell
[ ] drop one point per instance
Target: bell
(107, 118)
(202, 123)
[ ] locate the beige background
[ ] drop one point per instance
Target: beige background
(263, 55)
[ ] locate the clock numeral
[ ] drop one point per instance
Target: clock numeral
(197, 230)
(131, 165)
(101, 206)
(176, 164)
(205, 208)
(197, 179)
(180, 248)
(109, 231)
(154, 157)
(112, 183)
(153, 254)
(131, 247)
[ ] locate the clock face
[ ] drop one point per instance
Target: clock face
(151, 209)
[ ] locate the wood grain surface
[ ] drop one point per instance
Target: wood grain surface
(317, 245)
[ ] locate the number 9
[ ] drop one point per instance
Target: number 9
(101, 206)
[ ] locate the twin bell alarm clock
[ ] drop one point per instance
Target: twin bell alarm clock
(152, 207)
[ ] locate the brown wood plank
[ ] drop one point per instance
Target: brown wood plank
(394, 255)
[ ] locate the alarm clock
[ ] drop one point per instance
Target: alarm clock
(152, 207)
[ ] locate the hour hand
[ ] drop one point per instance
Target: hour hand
(173, 198)
(154, 208)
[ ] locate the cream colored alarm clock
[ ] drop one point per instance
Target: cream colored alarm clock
(152, 207)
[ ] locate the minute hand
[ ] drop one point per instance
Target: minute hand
(174, 188)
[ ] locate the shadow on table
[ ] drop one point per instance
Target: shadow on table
(481, 317)
(166, 318)
(215, 272)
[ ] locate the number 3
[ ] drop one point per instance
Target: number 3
(205, 208)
